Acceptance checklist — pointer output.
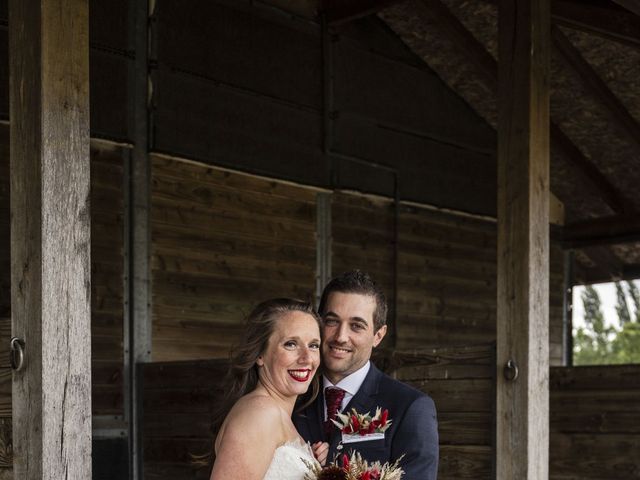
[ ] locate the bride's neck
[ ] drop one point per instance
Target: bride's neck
(285, 402)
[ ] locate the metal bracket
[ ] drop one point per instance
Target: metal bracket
(510, 370)
(16, 357)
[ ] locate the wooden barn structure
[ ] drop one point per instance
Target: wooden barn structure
(165, 165)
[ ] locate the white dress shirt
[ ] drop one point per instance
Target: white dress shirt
(350, 384)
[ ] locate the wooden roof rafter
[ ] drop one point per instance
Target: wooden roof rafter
(487, 66)
(339, 11)
(598, 17)
(612, 230)
(596, 86)
(631, 5)
(607, 267)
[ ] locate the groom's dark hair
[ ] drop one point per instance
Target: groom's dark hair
(361, 283)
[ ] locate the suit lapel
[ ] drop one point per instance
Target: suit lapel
(365, 398)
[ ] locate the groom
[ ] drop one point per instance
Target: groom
(354, 312)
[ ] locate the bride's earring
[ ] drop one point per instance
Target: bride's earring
(260, 362)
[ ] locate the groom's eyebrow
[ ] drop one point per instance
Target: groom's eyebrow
(351, 319)
(360, 320)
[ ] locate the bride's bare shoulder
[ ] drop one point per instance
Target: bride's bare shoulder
(256, 412)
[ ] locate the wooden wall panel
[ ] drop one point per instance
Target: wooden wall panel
(595, 422)
(222, 242)
(362, 238)
(447, 271)
(247, 48)
(413, 99)
(179, 400)
(107, 271)
(447, 280)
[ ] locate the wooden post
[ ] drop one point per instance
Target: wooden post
(50, 237)
(138, 221)
(523, 240)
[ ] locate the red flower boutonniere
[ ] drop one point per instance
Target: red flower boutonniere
(355, 423)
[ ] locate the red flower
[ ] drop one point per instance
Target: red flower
(365, 476)
(355, 423)
(345, 461)
(383, 417)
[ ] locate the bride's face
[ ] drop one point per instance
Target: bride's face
(292, 355)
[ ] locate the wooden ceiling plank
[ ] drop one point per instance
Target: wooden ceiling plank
(607, 263)
(613, 230)
(596, 86)
(486, 65)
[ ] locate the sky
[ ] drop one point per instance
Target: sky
(607, 292)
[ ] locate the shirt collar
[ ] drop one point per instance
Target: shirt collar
(351, 383)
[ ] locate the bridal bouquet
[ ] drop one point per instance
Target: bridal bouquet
(354, 468)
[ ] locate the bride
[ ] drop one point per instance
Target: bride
(276, 362)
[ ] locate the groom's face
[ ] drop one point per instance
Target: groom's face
(349, 335)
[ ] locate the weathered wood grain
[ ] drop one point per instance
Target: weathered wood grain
(523, 239)
(50, 237)
(222, 242)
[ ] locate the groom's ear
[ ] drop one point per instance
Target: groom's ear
(379, 335)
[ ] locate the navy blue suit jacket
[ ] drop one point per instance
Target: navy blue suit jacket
(413, 431)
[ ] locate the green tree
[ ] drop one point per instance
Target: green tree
(591, 344)
(626, 346)
(622, 308)
(634, 293)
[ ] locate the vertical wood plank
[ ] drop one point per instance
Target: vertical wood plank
(139, 331)
(323, 242)
(50, 237)
(523, 239)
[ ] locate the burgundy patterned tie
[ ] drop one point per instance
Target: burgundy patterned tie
(333, 397)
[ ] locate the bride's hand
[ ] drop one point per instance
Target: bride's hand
(320, 451)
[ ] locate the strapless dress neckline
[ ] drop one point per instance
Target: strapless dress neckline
(288, 461)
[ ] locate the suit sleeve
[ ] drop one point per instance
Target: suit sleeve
(417, 439)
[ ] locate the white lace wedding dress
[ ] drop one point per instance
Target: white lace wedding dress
(287, 463)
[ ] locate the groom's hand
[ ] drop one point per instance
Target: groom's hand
(320, 451)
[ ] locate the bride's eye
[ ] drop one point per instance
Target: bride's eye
(290, 344)
(315, 346)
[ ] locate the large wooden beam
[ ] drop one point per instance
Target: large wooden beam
(50, 237)
(523, 240)
(487, 67)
